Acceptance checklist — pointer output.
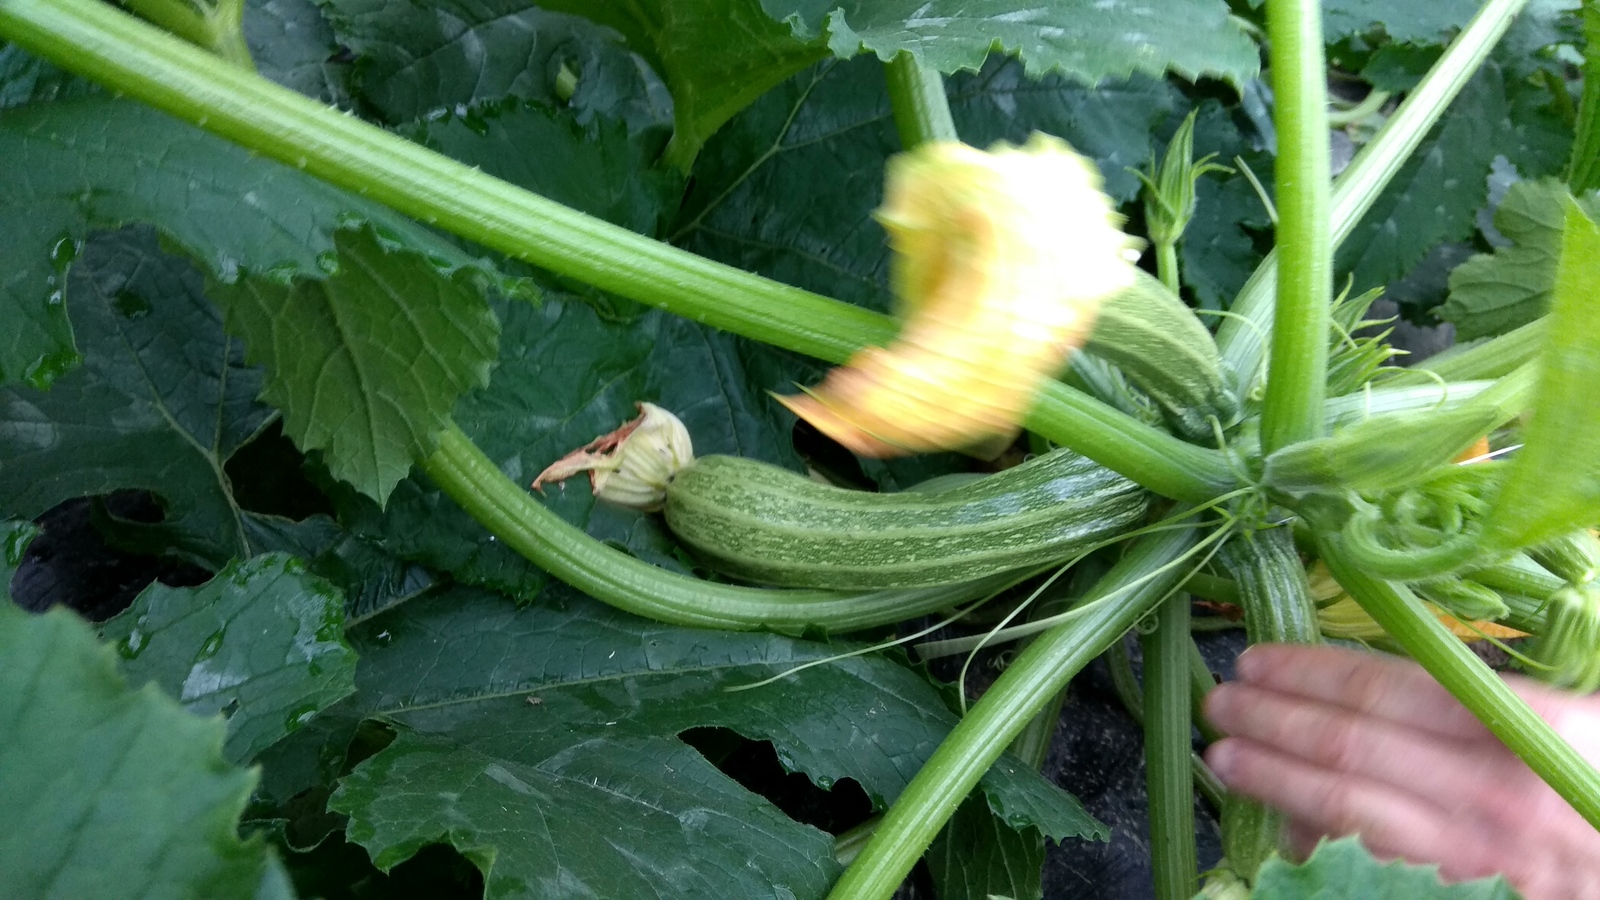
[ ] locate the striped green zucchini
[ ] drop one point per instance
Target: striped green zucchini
(769, 525)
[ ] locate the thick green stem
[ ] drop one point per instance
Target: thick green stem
(127, 55)
(921, 109)
(1478, 688)
(1297, 374)
(1277, 608)
(1033, 744)
(1366, 177)
(1028, 684)
(524, 524)
(1584, 172)
(1167, 751)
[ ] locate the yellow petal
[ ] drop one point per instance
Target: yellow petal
(1001, 260)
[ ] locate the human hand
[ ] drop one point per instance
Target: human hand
(1346, 742)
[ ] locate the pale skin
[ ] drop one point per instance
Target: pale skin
(1345, 742)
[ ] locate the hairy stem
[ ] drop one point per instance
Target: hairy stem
(1167, 266)
(1297, 374)
(921, 109)
(1479, 689)
(1169, 782)
(109, 46)
(1036, 676)
(1359, 186)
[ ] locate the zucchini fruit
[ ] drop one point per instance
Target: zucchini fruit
(1157, 342)
(764, 524)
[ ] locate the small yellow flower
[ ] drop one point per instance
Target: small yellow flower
(1001, 260)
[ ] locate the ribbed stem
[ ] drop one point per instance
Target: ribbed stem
(1278, 609)
(1167, 751)
(1297, 374)
(921, 109)
(1474, 684)
(1359, 186)
(1027, 685)
(127, 55)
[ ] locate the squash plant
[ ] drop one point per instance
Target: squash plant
(333, 281)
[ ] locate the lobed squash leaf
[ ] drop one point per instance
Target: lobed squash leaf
(978, 856)
(161, 402)
(73, 166)
(1344, 870)
(1492, 293)
(366, 362)
(262, 643)
(107, 791)
(542, 743)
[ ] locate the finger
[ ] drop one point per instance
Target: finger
(1390, 822)
(1388, 688)
(1456, 777)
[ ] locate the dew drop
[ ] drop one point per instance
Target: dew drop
(211, 646)
(133, 644)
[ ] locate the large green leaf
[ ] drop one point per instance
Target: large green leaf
(1492, 293)
(366, 362)
(262, 642)
(1411, 22)
(1554, 484)
(107, 791)
(417, 58)
(28, 79)
(542, 743)
(978, 856)
(292, 44)
(71, 166)
(789, 187)
(568, 371)
(161, 403)
(1344, 870)
(1436, 195)
(371, 579)
(595, 164)
(1088, 40)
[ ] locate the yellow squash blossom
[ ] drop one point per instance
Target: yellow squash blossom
(1001, 259)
